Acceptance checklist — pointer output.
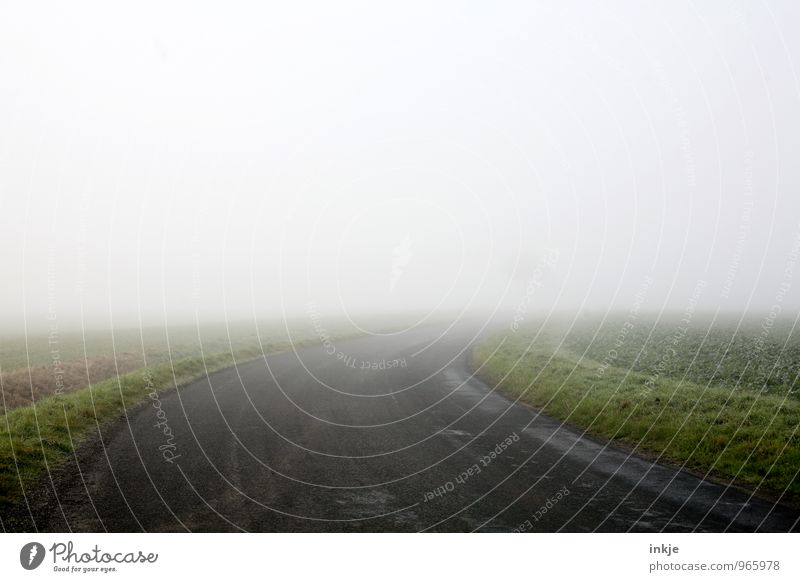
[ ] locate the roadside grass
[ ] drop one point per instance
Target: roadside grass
(734, 433)
(24, 386)
(33, 438)
(103, 373)
(154, 343)
(39, 365)
(723, 351)
(35, 366)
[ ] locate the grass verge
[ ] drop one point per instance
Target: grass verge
(33, 438)
(741, 435)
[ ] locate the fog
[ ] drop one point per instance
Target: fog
(172, 162)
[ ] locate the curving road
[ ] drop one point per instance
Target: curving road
(310, 441)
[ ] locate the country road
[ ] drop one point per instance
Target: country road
(310, 441)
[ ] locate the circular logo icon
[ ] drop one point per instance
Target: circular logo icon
(31, 555)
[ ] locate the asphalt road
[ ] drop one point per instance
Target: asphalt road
(310, 441)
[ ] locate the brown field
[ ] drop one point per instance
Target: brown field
(38, 366)
(24, 386)
(34, 367)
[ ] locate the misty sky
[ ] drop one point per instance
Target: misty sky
(237, 160)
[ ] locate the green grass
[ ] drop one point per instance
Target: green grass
(157, 344)
(756, 356)
(733, 431)
(35, 437)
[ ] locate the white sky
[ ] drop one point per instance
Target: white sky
(238, 159)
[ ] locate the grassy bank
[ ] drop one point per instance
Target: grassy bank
(35, 437)
(37, 366)
(57, 388)
(732, 430)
